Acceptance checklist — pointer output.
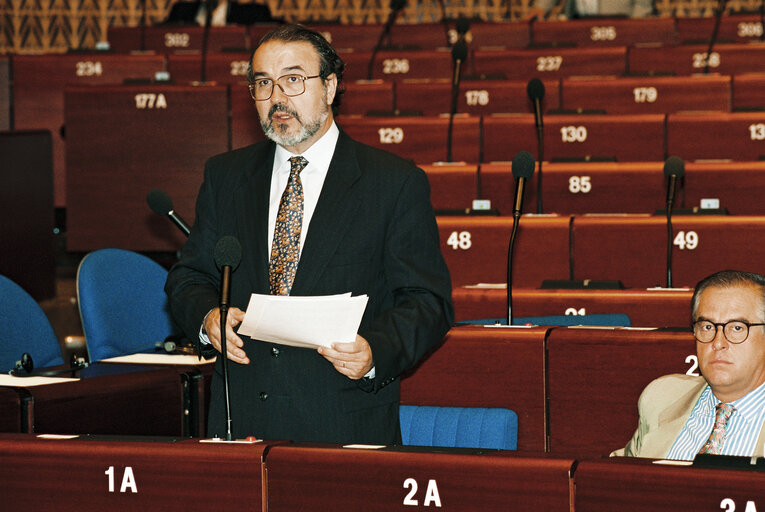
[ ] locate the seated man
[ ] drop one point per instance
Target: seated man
(566, 9)
(722, 412)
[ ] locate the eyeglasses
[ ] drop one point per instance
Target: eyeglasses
(735, 331)
(291, 85)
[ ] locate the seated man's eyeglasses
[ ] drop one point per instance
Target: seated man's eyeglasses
(291, 85)
(735, 331)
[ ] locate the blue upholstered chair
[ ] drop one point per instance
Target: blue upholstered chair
(123, 305)
(25, 329)
(459, 427)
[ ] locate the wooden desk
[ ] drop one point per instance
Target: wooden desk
(475, 249)
(385, 480)
(398, 64)
(512, 34)
(749, 91)
(420, 139)
(647, 95)
(726, 59)
(92, 474)
(595, 377)
(223, 68)
(127, 140)
(577, 137)
(633, 248)
(479, 366)
(646, 308)
(744, 185)
(452, 185)
(735, 28)
(716, 135)
(176, 38)
(638, 484)
(605, 31)
(475, 97)
(363, 96)
(38, 93)
(550, 62)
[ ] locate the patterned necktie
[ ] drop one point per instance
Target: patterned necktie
(717, 437)
(285, 249)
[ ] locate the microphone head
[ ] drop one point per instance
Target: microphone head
(523, 165)
(462, 25)
(397, 5)
(228, 252)
(674, 166)
(460, 51)
(159, 202)
(535, 89)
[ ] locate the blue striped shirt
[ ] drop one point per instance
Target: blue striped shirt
(741, 432)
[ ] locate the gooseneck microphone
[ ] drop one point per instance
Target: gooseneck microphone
(523, 169)
(161, 204)
(536, 91)
(712, 40)
(228, 254)
(459, 55)
(395, 8)
(674, 168)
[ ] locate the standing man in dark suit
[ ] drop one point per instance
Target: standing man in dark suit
(364, 224)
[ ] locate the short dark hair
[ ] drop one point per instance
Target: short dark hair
(329, 61)
(728, 279)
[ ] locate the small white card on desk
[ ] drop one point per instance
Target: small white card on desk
(307, 322)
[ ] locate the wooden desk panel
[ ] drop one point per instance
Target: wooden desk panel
(349, 37)
(479, 366)
(718, 135)
(512, 34)
(646, 308)
(38, 97)
(577, 137)
(245, 123)
(126, 140)
(398, 64)
(475, 249)
(452, 186)
(385, 480)
(749, 91)
(420, 139)
(727, 59)
(363, 96)
(600, 373)
(550, 62)
(633, 248)
(735, 28)
(744, 185)
(605, 31)
(11, 419)
(476, 97)
(647, 95)
(637, 484)
(223, 68)
(5, 93)
(176, 38)
(115, 475)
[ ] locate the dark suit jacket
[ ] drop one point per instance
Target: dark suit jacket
(373, 232)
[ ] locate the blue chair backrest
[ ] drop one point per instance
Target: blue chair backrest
(605, 319)
(459, 427)
(123, 305)
(25, 328)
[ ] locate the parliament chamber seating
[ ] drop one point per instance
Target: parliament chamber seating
(716, 135)
(749, 91)
(38, 92)
(475, 249)
(223, 68)
(726, 59)
(646, 95)
(486, 366)
(364, 96)
(522, 64)
(165, 39)
(736, 28)
(142, 137)
(458, 427)
(604, 31)
(397, 64)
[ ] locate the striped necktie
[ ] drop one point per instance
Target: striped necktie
(285, 249)
(717, 437)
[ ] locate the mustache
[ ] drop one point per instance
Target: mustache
(282, 108)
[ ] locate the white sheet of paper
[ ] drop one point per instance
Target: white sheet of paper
(28, 382)
(307, 322)
(184, 359)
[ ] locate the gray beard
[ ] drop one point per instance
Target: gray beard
(306, 130)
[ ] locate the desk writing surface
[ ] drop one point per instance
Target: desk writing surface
(648, 94)
(479, 366)
(223, 68)
(126, 475)
(633, 248)
(646, 308)
(520, 64)
(605, 31)
(300, 476)
(726, 59)
(38, 92)
(176, 38)
(475, 249)
(600, 373)
(639, 485)
(716, 135)
(127, 140)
